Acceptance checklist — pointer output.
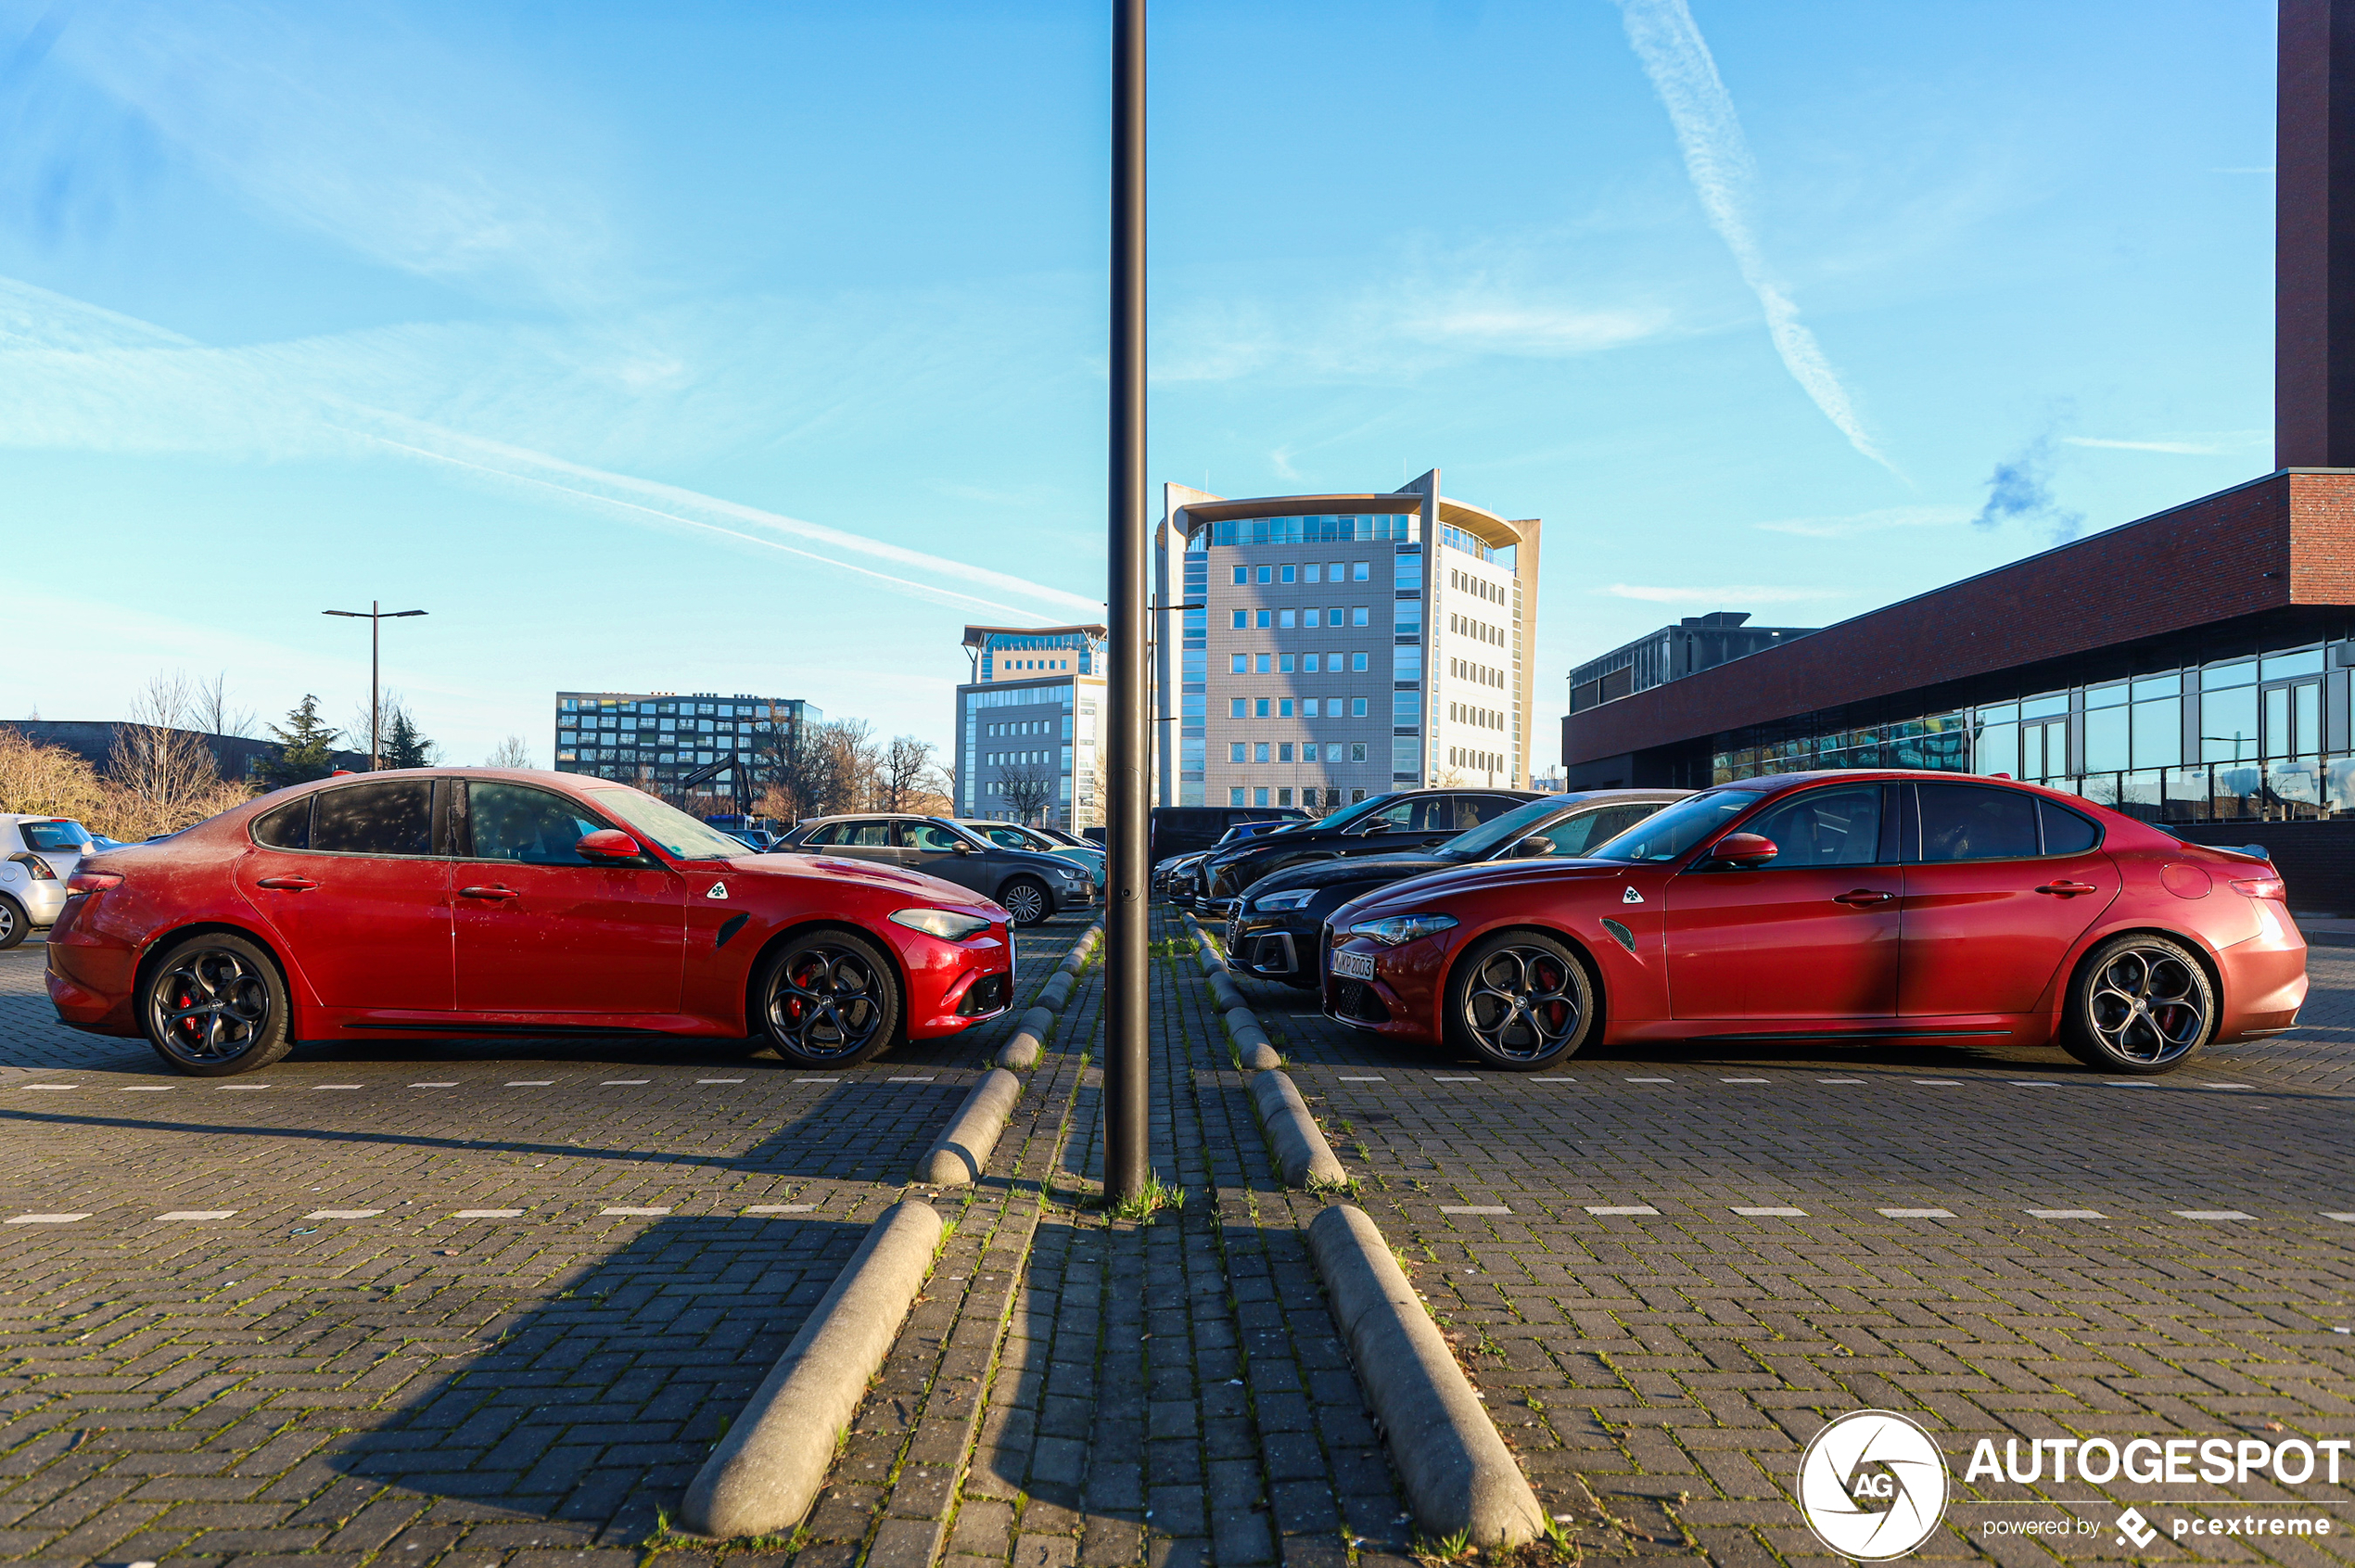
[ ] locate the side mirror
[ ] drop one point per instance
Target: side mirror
(963, 847)
(1745, 850)
(608, 844)
(1534, 844)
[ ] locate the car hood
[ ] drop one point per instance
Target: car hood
(1358, 868)
(1432, 892)
(913, 884)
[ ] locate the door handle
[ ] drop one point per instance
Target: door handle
(493, 893)
(2066, 889)
(287, 884)
(1862, 896)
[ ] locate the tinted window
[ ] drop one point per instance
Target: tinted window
(1967, 823)
(934, 839)
(865, 835)
(392, 818)
(289, 827)
(1572, 835)
(1463, 811)
(58, 837)
(2066, 832)
(824, 834)
(517, 823)
(1822, 827)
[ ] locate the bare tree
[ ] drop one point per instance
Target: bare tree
(210, 708)
(1027, 791)
(908, 769)
(509, 753)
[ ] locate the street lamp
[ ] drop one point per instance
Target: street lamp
(375, 618)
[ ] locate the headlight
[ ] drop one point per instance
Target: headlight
(1402, 928)
(947, 924)
(1291, 900)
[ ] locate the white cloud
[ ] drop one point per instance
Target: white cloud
(1869, 522)
(1717, 159)
(1725, 596)
(2213, 445)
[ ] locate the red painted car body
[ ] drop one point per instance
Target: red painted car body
(1926, 936)
(377, 947)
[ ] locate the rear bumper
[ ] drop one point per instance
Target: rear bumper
(2265, 981)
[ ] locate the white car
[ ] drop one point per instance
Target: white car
(38, 855)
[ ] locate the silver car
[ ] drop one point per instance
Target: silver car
(38, 856)
(1013, 836)
(1029, 886)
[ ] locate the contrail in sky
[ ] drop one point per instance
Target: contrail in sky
(1717, 158)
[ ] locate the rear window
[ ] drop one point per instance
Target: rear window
(58, 837)
(289, 827)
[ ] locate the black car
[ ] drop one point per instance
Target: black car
(1181, 830)
(1030, 885)
(1414, 818)
(1275, 928)
(1185, 885)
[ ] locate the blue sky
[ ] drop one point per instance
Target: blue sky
(759, 348)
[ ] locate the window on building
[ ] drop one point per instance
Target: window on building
(1283, 798)
(1235, 751)
(1358, 754)
(1310, 616)
(1357, 707)
(1333, 663)
(1360, 570)
(1235, 795)
(1259, 796)
(1357, 663)
(1242, 575)
(1239, 665)
(1243, 620)
(1360, 615)
(1259, 709)
(1263, 574)
(1285, 620)
(1308, 751)
(1283, 664)
(1263, 620)
(1309, 664)
(1283, 708)
(1308, 705)
(1235, 707)
(1265, 666)
(1291, 574)
(1309, 573)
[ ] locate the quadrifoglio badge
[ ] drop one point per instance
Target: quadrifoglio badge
(1874, 1485)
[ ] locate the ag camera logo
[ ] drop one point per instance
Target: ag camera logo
(1872, 1486)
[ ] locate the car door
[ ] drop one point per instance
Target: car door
(353, 881)
(542, 929)
(1999, 886)
(932, 849)
(1812, 933)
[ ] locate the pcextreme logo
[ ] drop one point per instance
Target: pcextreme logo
(1872, 1486)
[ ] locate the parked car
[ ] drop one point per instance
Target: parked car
(1273, 930)
(1044, 841)
(1033, 885)
(1177, 830)
(1849, 906)
(1403, 821)
(42, 854)
(1180, 877)
(474, 902)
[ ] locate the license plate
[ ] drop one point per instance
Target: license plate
(1354, 966)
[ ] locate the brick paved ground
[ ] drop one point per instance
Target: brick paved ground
(414, 1388)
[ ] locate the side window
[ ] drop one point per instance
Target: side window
(1839, 826)
(1470, 810)
(1396, 818)
(1971, 822)
(1575, 835)
(289, 827)
(392, 818)
(865, 835)
(533, 827)
(824, 836)
(932, 838)
(2066, 832)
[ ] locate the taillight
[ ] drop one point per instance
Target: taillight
(38, 868)
(2263, 887)
(93, 881)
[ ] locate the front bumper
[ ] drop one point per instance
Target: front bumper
(1399, 999)
(1280, 945)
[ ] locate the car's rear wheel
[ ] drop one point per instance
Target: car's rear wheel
(828, 998)
(1025, 898)
(214, 1005)
(1520, 1001)
(2139, 1005)
(15, 925)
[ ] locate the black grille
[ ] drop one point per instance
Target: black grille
(987, 994)
(1357, 1001)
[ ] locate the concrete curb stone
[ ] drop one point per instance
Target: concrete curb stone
(1455, 1469)
(962, 1151)
(1300, 1149)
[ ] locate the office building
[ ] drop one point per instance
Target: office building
(1697, 642)
(659, 741)
(1316, 649)
(1029, 742)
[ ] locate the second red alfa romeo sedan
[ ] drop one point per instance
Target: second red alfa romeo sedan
(482, 902)
(1849, 906)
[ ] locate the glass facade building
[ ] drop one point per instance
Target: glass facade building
(655, 739)
(1028, 741)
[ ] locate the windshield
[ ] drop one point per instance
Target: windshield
(1476, 844)
(59, 837)
(681, 836)
(1677, 828)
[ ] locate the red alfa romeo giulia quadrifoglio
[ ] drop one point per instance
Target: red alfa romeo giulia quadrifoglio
(1852, 906)
(481, 902)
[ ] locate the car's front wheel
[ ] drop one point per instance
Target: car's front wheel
(2139, 1005)
(1520, 1001)
(215, 1005)
(1025, 898)
(828, 998)
(15, 926)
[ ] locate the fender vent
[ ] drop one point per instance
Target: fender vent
(728, 928)
(1621, 935)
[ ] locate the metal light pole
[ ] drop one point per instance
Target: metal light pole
(1128, 757)
(375, 618)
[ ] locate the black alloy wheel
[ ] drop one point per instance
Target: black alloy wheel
(1025, 898)
(2139, 1005)
(828, 1000)
(15, 925)
(215, 1005)
(1520, 1001)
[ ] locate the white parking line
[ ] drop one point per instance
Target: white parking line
(1745, 1080)
(2128, 1083)
(49, 1085)
(46, 1219)
(2066, 1214)
(1452, 1078)
(1940, 1083)
(148, 1088)
(622, 1083)
(530, 1083)
(338, 1086)
(634, 1211)
(719, 1080)
(1557, 1077)
(488, 1214)
(2034, 1083)
(1918, 1213)
(2210, 1214)
(433, 1086)
(817, 1081)
(2342, 1219)
(2223, 1086)
(781, 1209)
(343, 1214)
(1473, 1208)
(1840, 1081)
(227, 1088)
(1772, 1213)
(198, 1214)
(1621, 1208)
(1346, 1078)
(1650, 1080)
